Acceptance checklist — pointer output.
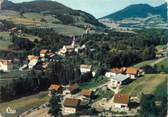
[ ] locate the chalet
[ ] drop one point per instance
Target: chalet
(86, 93)
(54, 88)
(119, 79)
(33, 60)
(121, 101)
(73, 89)
(70, 106)
(5, 65)
(84, 68)
(132, 72)
(43, 52)
(115, 71)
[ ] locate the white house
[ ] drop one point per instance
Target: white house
(33, 60)
(70, 106)
(6, 65)
(118, 79)
(115, 71)
(43, 52)
(84, 68)
(121, 101)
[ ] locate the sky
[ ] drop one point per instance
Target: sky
(100, 8)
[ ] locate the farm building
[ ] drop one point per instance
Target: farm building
(70, 106)
(121, 101)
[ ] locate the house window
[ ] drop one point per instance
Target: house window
(123, 106)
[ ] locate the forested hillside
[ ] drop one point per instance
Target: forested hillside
(103, 51)
(140, 11)
(65, 14)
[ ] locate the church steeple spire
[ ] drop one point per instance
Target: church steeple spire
(73, 42)
(1, 1)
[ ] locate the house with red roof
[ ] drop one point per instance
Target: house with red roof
(70, 106)
(121, 101)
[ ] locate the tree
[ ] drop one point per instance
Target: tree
(148, 107)
(55, 105)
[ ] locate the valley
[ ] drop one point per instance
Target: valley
(59, 61)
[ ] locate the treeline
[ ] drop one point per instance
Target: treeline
(153, 106)
(117, 49)
(50, 39)
(59, 72)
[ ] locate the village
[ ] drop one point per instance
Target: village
(71, 95)
(106, 98)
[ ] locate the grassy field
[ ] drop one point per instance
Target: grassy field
(146, 84)
(6, 78)
(4, 44)
(160, 47)
(141, 64)
(163, 65)
(39, 20)
(26, 103)
(4, 40)
(13, 74)
(92, 84)
(30, 37)
(5, 36)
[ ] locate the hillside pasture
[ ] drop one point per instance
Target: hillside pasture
(44, 21)
(4, 44)
(30, 37)
(163, 65)
(147, 84)
(144, 63)
(25, 103)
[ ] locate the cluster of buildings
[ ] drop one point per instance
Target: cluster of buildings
(45, 56)
(119, 76)
(72, 97)
(72, 49)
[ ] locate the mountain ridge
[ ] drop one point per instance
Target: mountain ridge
(50, 7)
(138, 10)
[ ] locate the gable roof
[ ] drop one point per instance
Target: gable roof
(120, 77)
(32, 57)
(71, 102)
(85, 66)
(86, 93)
(5, 62)
(73, 87)
(118, 70)
(43, 51)
(54, 87)
(132, 70)
(121, 98)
